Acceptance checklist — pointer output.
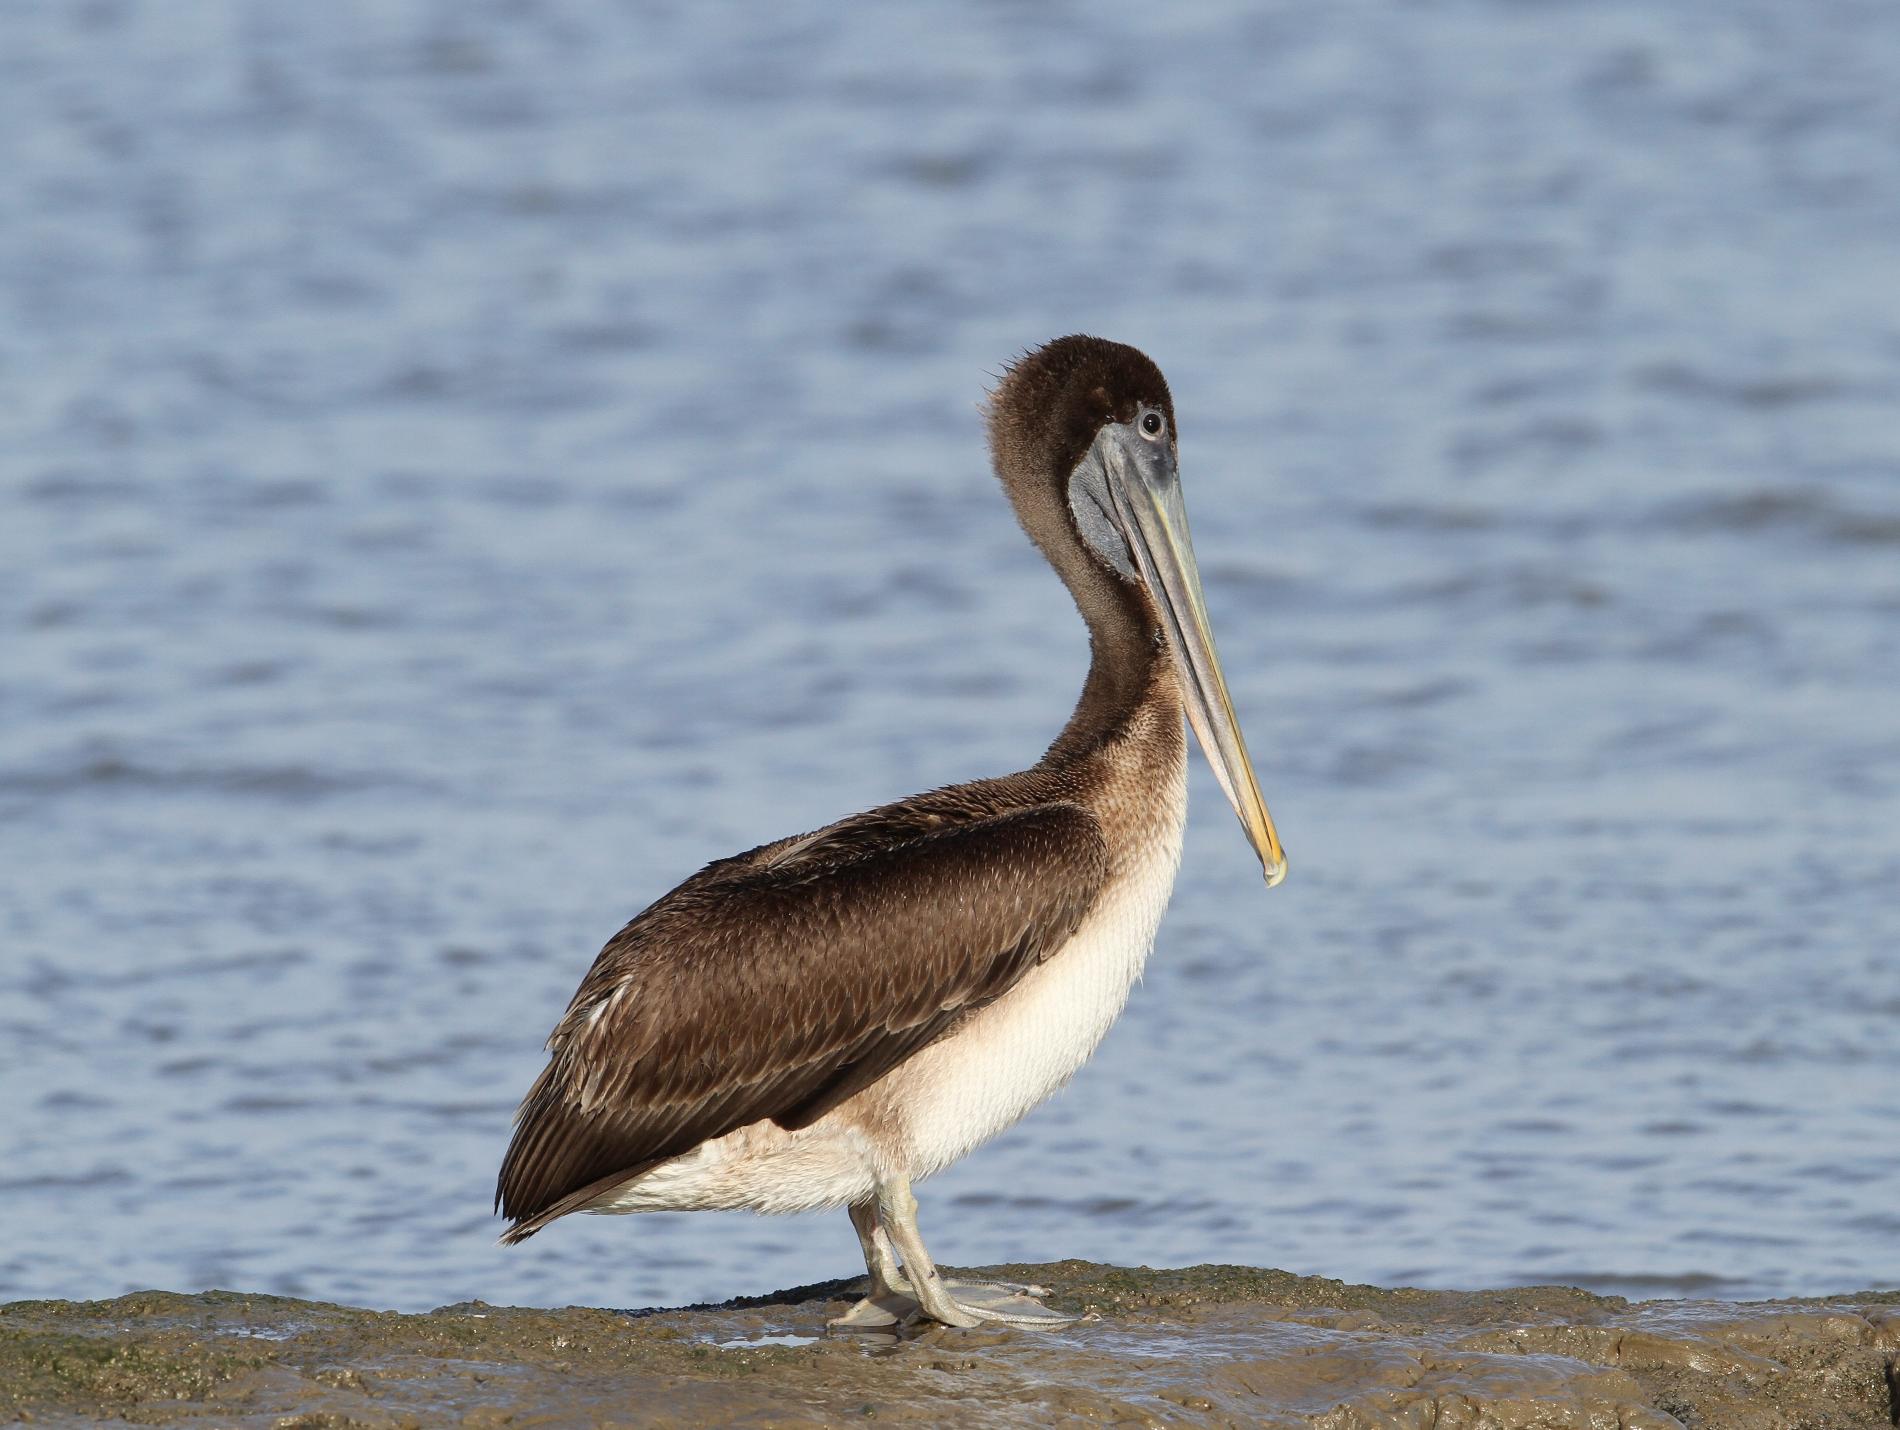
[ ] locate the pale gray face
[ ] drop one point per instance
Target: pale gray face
(1141, 450)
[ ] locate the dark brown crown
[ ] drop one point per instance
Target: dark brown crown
(1051, 403)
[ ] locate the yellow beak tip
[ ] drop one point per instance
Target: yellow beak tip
(1275, 871)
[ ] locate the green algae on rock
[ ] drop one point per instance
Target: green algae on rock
(1213, 1345)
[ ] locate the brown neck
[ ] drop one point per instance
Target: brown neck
(1127, 651)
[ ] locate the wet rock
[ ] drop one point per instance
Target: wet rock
(1211, 1345)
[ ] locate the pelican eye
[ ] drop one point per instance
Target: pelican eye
(1152, 425)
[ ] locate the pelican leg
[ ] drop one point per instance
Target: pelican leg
(955, 1303)
(888, 1301)
(879, 1259)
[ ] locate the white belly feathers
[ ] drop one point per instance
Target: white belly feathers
(1007, 1058)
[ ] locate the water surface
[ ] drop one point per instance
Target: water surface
(464, 467)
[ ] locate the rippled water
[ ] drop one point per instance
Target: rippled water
(462, 467)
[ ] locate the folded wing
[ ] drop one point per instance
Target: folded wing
(760, 989)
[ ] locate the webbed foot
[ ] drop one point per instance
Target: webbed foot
(970, 1303)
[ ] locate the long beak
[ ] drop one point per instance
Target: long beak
(1154, 520)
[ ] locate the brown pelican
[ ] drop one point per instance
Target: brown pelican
(823, 1020)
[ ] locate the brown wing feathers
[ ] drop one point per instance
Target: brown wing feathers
(758, 991)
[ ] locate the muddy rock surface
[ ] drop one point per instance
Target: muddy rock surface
(1210, 1345)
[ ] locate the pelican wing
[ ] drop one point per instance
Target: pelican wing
(776, 987)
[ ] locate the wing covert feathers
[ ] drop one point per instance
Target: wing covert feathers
(779, 983)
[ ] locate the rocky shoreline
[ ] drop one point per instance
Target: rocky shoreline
(1209, 1345)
